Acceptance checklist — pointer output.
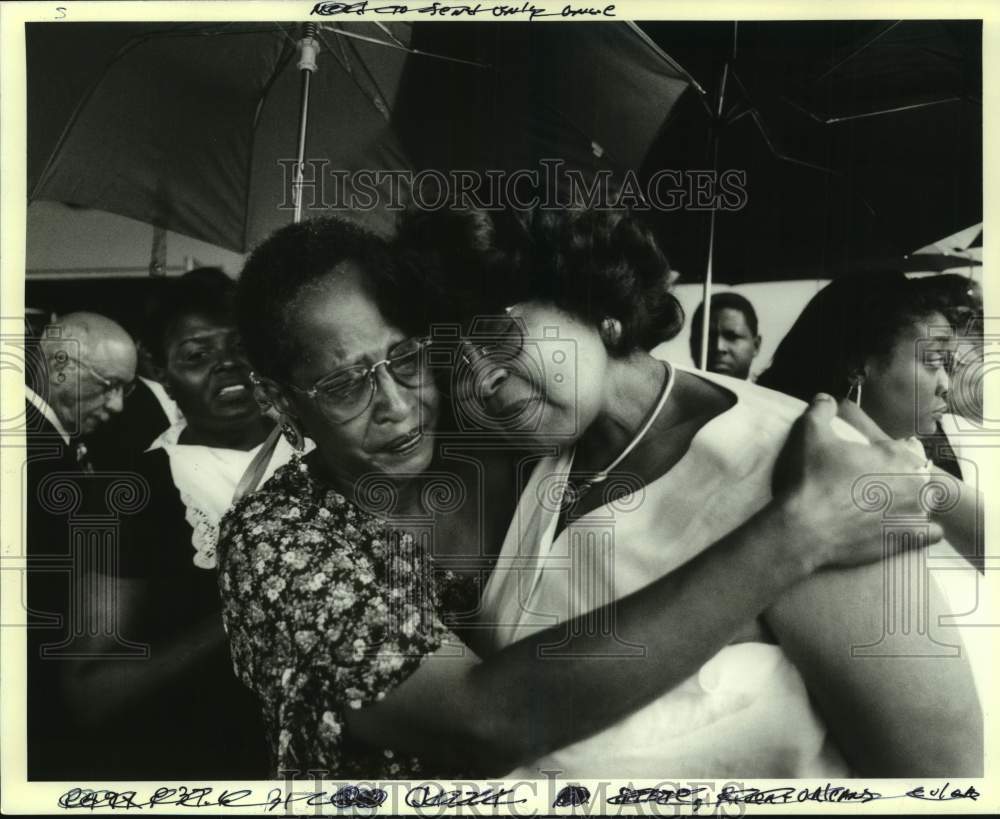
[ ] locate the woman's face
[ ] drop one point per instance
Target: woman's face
(966, 394)
(544, 383)
(207, 373)
(906, 391)
(337, 325)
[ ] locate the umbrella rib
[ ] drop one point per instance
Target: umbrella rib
(883, 112)
(609, 156)
(738, 116)
(129, 46)
(803, 110)
(279, 66)
(286, 35)
(342, 59)
(758, 121)
(785, 157)
(399, 46)
(941, 54)
(856, 52)
(342, 42)
(376, 98)
(333, 52)
(650, 43)
(385, 30)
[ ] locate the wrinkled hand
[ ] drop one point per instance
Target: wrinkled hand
(834, 493)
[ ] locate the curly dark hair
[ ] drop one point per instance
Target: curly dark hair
(960, 299)
(594, 264)
(851, 319)
(205, 291)
(298, 257)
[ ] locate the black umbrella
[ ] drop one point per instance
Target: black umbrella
(859, 139)
(183, 125)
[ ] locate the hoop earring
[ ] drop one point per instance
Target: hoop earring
(857, 398)
(290, 429)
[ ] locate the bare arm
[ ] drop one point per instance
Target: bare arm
(101, 685)
(912, 715)
(898, 709)
(961, 515)
(516, 706)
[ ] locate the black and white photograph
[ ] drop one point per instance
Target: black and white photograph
(528, 408)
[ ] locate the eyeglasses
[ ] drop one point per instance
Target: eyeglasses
(345, 394)
(495, 340)
(111, 386)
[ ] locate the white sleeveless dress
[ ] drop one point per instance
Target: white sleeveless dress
(746, 713)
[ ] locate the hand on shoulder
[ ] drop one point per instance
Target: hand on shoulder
(835, 491)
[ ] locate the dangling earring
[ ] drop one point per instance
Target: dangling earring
(290, 429)
(857, 397)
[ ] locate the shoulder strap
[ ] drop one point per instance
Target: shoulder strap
(258, 466)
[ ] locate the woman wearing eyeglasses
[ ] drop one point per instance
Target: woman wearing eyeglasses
(652, 464)
(178, 712)
(338, 576)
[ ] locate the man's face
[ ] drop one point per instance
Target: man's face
(731, 345)
(90, 391)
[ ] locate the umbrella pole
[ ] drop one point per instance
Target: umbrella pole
(706, 315)
(706, 298)
(308, 50)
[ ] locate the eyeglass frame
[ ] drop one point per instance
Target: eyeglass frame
(369, 374)
(482, 348)
(110, 386)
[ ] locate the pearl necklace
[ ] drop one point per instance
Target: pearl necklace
(572, 495)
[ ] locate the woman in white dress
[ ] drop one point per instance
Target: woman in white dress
(651, 464)
(326, 588)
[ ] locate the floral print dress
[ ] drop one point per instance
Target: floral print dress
(327, 609)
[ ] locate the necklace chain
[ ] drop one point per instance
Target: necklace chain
(572, 494)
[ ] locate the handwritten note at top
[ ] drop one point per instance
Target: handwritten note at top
(442, 9)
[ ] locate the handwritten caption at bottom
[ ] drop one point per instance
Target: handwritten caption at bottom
(434, 796)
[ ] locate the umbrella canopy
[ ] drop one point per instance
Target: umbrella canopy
(593, 95)
(184, 125)
(859, 139)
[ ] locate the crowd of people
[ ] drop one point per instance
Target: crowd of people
(429, 507)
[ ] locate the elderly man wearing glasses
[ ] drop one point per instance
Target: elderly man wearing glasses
(89, 368)
(83, 367)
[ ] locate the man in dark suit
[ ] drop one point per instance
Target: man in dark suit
(83, 367)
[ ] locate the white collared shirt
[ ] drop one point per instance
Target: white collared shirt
(167, 404)
(42, 406)
(206, 478)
